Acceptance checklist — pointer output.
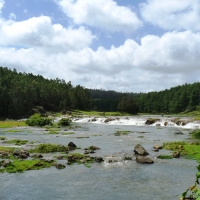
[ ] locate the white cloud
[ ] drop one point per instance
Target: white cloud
(172, 14)
(39, 32)
(103, 14)
(158, 63)
(1, 4)
(12, 16)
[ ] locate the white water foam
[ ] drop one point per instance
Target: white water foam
(138, 121)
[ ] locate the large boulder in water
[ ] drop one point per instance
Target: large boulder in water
(144, 159)
(139, 150)
(71, 145)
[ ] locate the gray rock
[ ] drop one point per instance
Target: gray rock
(144, 159)
(139, 150)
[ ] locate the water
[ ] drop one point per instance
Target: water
(165, 179)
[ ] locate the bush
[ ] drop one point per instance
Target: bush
(37, 120)
(196, 134)
(64, 122)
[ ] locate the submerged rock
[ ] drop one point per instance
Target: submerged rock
(59, 166)
(139, 150)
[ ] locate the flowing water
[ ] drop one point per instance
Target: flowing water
(165, 179)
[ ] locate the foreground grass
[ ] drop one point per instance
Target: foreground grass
(188, 150)
(10, 124)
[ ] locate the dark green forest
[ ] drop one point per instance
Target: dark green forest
(178, 99)
(21, 94)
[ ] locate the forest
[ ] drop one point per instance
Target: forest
(21, 94)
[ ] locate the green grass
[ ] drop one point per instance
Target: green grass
(48, 148)
(17, 142)
(2, 138)
(188, 150)
(97, 113)
(119, 133)
(165, 157)
(12, 131)
(23, 165)
(10, 124)
(195, 134)
(7, 149)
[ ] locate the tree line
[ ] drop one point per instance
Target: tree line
(20, 93)
(178, 99)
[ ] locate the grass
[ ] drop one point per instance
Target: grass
(195, 134)
(68, 133)
(7, 149)
(12, 131)
(119, 133)
(48, 148)
(23, 165)
(2, 138)
(17, 142)
(11, 124)
(97, 113)
(188, 150)
(165, 157)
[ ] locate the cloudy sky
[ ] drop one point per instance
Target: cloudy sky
(122, 45)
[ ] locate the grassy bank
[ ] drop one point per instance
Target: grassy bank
(11, 124)
(187, 150)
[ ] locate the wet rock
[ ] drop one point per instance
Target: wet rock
(166, 123)
(4, 154)
(144, 159)
(59, 157)
(157, 147)
(98, 159)
(71, 145)
(151, 121)
(86, 152)
(139, 150)
(23, 154)
(5, 163)
(176, 155)
(59, 166)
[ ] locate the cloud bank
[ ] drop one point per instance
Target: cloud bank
(39, 46)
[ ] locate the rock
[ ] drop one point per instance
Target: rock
(92, 151)
(86, 152)
(139, 150)
(70, 158)
(176, 155)
(37, 155)
(166, 123)
(59, 166)
(60, 157)
(151, 121)
(98, 159)
(71, 145)
(157, 147)
(23, 154)
(5, 163)
(144, 159)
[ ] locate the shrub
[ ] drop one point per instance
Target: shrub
(64, 122)
(37, 120)
(196, 134)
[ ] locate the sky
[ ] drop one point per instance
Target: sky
(121, 45)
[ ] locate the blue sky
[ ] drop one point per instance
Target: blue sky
(122, 45)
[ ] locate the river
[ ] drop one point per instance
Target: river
(129, 180)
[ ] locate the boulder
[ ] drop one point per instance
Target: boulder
(139, 150)
(144, 159)
(71, 145)
(37, 155)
